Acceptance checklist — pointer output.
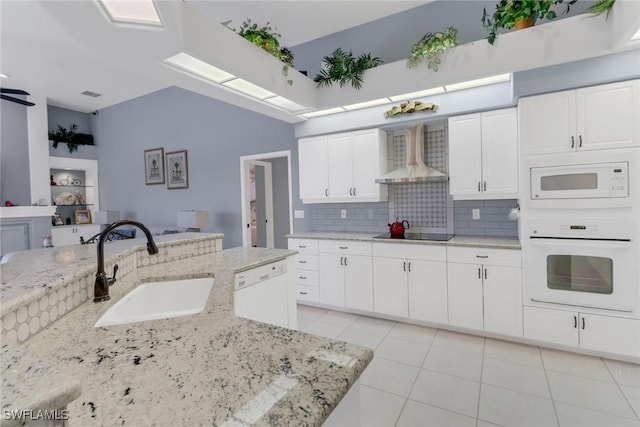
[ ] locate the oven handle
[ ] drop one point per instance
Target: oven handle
(566, 242)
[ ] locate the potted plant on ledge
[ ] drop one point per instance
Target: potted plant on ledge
(520, 14)
(70, 137)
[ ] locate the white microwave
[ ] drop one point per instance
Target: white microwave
(586, 181)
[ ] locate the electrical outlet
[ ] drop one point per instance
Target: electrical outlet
(370, 214)
(475, 213)
(298, 213)
(343, 213)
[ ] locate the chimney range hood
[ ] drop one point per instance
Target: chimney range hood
(414, 170)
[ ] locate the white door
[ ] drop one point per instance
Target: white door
(427, 281)
(610, 334)
(500, 154)
(331, 275)
(313, 173)
(260, 202)
(465, 170)
(465, 295)
(339, 151)
(502, 294)
(358, 282)
(607, 116)
(547, 123)
(390, 292)
(366, 163)
(549, 325)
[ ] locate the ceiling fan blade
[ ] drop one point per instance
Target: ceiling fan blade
(13, 91)
(17, 100)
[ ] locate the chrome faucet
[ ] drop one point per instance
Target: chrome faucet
(101, 286)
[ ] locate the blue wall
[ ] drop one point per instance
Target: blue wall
(14, 154)
(214, 133)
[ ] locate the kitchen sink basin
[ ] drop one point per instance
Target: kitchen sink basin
(159, 300)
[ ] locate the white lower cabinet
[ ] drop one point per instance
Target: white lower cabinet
(345, 274)
(589, 331)
(483, 295)
(306, 273)
(414, 287)
(70, 235)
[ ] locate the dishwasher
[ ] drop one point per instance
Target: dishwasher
(262, 294)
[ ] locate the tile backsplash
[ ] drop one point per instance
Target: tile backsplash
(426, 206)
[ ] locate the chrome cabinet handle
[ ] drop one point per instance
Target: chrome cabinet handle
(404, 266)
(485, 185)
(303, 293)
(479, 186)
(482, 256)
(302, 262)
(351, 191)
(575, 321)
(573, 142)
(341, 260)
(583, 324)
(354, 191)
(303, 277)
(326, 192)
(301, 246)
(479, 273)
(409, 265)
(345, 261)
(344, 247)
(580, 145)
(485, 273)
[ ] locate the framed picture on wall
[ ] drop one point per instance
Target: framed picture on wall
(154, 166)
(82, 216)
(178, 168)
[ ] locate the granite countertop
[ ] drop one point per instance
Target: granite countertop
(211, 368)
(457, 240)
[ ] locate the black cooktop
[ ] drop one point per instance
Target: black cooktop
(418, 236)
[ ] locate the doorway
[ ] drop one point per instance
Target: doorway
(267, 214)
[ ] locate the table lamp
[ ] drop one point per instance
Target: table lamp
(193, 220)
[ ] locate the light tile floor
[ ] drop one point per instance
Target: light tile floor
(430, 377)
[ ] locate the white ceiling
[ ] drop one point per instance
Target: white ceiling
(42, 57)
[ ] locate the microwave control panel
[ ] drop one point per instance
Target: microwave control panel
(618, 179)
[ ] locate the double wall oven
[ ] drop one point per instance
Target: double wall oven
(580, 232)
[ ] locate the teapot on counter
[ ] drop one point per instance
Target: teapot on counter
(397, 228)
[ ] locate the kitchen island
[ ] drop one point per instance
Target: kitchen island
(211, 368)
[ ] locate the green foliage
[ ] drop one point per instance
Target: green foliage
(509, 11)
(430, 46)
(266, 38)
(342, 67)
(601, 7)
(66, 136)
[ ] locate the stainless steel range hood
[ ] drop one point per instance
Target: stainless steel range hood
(414, 170)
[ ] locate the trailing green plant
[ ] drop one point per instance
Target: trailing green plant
(601, 7)
(66, 136)
(430, 46)
(342, 67)
(508, 12)
(267, 38)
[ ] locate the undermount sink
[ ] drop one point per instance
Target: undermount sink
(159, 300)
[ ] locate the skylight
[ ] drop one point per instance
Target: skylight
(132, 11)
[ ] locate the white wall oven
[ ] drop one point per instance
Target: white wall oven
(584, 263)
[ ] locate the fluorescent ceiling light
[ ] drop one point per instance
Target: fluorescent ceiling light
(418, 94)
(248, 88)
(366, 104)
(4, 76)
(285, 103)
(132, 11)
(636, 36)
(479, 82)
(199, 68)
(323, 112)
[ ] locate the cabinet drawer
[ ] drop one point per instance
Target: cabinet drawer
(307, 262)
(304, 246)
(307, 277)
(503, 257)
(408, 251)
(307, 293)
(350, 247)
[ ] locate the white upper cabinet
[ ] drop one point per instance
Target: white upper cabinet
(343, 167)
(313, 168)
(483, 155)
(591, 118)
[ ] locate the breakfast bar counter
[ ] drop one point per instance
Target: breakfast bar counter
(210, 368)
